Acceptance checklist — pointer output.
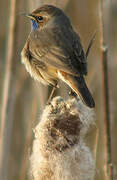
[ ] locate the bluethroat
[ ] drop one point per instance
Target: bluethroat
(53, 52)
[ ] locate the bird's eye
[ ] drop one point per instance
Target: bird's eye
(40, 18)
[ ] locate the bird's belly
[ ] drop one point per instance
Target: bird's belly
(33, 71)
(47, 75)
(50, 75)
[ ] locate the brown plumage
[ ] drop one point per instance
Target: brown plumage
(53, 51)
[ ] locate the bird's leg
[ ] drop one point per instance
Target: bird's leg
(72, 94)
(52, 92)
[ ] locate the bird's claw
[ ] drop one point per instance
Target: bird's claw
(72, 93)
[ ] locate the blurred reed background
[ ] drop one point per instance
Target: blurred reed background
(22, 99)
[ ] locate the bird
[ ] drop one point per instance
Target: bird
(53, 52)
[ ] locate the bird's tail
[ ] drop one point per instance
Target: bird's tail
(79, 86)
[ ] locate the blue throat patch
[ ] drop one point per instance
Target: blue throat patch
(34, 24)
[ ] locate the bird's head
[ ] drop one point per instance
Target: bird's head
(44, 15)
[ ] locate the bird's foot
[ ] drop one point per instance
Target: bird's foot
(72, 94)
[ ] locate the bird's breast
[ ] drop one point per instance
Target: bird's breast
(39, 71)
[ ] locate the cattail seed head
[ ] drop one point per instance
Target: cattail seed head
(59, 150)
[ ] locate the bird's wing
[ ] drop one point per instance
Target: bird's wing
(61, 50)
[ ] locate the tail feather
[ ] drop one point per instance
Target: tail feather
(85, 93)
(79, 86)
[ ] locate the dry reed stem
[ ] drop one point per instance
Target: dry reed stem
(96, 144)
(107, 126)
(59, 149)
(6, 86)
(24, 166)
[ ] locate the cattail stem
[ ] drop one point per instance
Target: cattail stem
(105, 82)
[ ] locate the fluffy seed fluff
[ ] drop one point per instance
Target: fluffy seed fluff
(59, 151)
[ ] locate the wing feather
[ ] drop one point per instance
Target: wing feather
(60, 50)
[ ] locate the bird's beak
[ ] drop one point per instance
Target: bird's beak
(29, 15)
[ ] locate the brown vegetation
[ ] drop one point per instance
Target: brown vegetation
(22, 99)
